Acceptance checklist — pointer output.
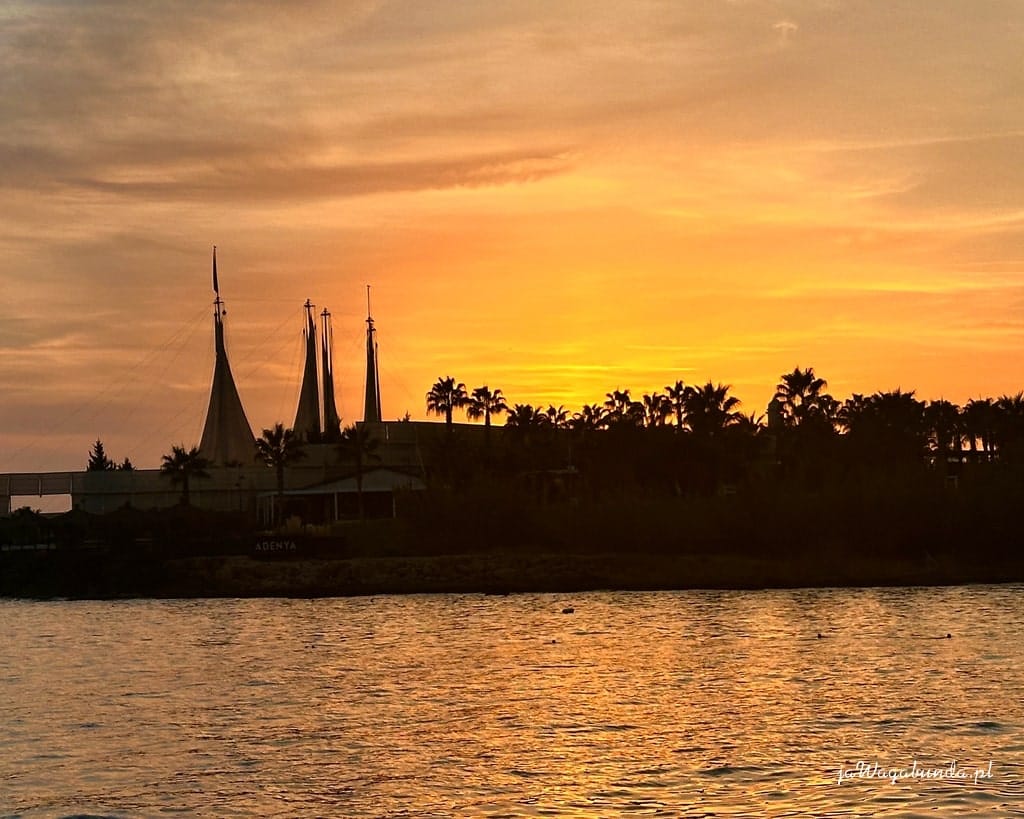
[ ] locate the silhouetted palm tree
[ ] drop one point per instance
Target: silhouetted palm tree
(851, 411)
(525, 422)
(591, 417)
(676, 395)
(979, 424)
(445, 397)
(798, 395)
(657, 408)
(278, 448)
(1009, 426)
(752, 424)
(944, 428)
(617, 403)
(622, 410)
(359, 446)
(710, 409)
(803, 419)
(182, 465)
(747, 445)
(558, 417)
(526, 417)
(887, 426)
(484, 403)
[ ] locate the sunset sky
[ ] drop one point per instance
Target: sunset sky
(554, 198)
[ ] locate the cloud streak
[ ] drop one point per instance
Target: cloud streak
(290, 182)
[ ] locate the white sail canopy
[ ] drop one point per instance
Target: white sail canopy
(227, 437)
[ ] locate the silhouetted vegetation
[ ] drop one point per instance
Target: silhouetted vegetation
(98, 460)
(445, 397)
(278, 448)
(811, 478)
(181, 465)
(360, 447)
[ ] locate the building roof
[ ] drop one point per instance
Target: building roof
(227, 436)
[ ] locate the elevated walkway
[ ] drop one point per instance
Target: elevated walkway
(34, 484)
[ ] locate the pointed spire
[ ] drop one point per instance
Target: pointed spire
(307, 415)
(371, 407)
(332, 422)
(227, 436)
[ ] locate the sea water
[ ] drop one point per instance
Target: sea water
(631, 704)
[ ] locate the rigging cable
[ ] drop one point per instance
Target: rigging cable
(110, 392)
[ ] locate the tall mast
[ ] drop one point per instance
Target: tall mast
(332, 422)
(307, 414)
(227, 437)
(371, 405)
(218, 310)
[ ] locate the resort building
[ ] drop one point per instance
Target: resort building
(322, 486)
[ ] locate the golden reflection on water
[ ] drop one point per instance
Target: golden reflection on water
(660, 704)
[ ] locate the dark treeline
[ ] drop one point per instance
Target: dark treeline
(687, 470)
(696, 440)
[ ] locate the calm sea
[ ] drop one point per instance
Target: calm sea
(662, 704)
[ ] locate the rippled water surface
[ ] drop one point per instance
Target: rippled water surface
(660, 704)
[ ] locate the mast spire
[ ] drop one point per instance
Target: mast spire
(216, 288)
(332, 421)
(371, 404)
(307, 414)
(227, 437)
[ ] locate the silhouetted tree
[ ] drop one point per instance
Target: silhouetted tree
(798, 395)
(591, 417)
(657, 408)
(1009, 427)
(279, 447)
(886, 428)
(558, 417)
(484, 403)
(527, 427)
(752, 425)
(622, 410)
(359, 446)
(979, 425)
(710, 409)
(525, 418)
(851, 411)
(98, 460)
(445, 397)
(945, 429)
(676, 395)
(803, 419)
(182, 465)
(126, 465)
(746, 447)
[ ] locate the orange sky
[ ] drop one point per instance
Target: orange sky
(554, 198)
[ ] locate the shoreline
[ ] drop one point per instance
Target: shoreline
(44, 576)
